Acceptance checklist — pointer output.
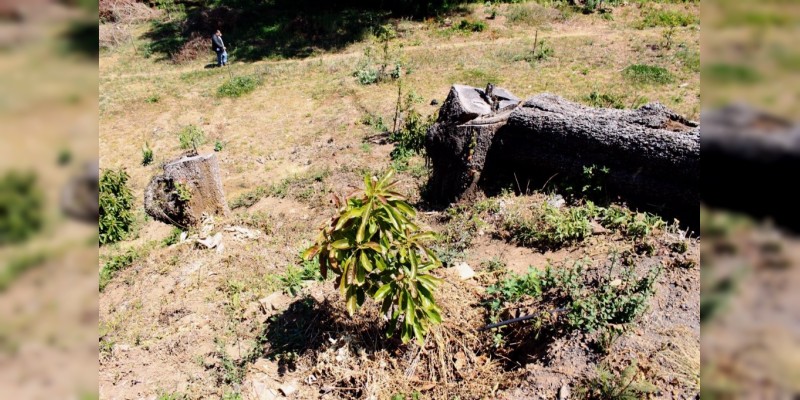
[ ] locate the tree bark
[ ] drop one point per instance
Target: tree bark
(652, 153)
(196, 177)
(748, 161)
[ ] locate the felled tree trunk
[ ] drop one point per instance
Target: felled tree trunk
(189, 187)
(749, 158)
(652, 154)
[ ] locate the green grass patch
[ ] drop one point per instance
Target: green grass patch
(647, 74)
(667, 18)
(730, 74)
(21, 207)
(119, 262)
(475, 77)
(604, 100)
(238, 86)
(531, 14)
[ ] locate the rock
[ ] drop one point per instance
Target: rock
(288, 389)
(211, 242)
(189, 187)
(259, 389)
(464, 271)
(274, 301)
(434, 102)
(598, 229)
(564, 392)
(79, 197)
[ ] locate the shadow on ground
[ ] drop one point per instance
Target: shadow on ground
(257, 29)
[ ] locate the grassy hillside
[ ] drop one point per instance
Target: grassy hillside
(177, 320)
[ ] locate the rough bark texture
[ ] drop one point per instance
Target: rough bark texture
(197, 174)
(749, 162)
(652, 153)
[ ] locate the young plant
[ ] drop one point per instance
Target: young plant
(21, 207)
(191, 136)
(147, 154)
(376, 250)
(609, 386)
(116, 201)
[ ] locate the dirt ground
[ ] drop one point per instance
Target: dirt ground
(185, 321)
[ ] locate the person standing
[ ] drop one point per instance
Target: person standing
(219, 47)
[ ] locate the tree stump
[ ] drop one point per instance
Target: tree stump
(653, 154)
(747, 155)
(189, 187)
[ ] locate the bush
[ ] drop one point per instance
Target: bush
(238, 86)
(471, 26)
(191, 136)
(21, 207)
(147, 154)
(116, 201)
(376, 250)
(649, 74)
(550, 227)
(218, 146)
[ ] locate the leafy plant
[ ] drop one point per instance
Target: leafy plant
(174, 237)
(119, 262)
(667, 18)
(471, 26)
(376, 250)
(147, 154)
(294, 278)
(21, 207)
(191, 136)
(611, 300)
(609, 386)
(647, 74)
(512, 289)
(116, 201)
(183, 192)
(218, 146)
(155, 98)
(551, 227)
(410, 138)
(643, 224)
(388, 68)
(238, 86)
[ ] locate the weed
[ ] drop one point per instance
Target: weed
(643, 224)
(667, 18)
(388, 68)
(172, 396)
(541, 51)
(249, 198)
(238, 86)
(410, 139)
(119, 262)
(530, 14)
(22, 207)
(374, 121)
(115, 201)
(218, 146)
(647, 74)
(512, 290)
(155, 98)
(191, 136)
(295, 278)
(232, 396)
(375, 249)
(183, 192)
(609, 386)
(147, 154)
(495, 264)
(173, 238)
(551, 227)
(476, 77)
(605, 100)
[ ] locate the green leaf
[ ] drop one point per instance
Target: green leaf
(382, 291)
(419, 332)
(364, 219)
(351, 303)
(310, 252)
(404, 207)
(341, 244)
(433, 315)
(365, 263)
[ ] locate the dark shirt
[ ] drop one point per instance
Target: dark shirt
(217, 42)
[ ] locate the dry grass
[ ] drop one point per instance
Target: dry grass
(305, 117)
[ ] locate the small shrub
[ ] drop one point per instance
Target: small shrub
(116, 201)
(218, 146)
(238, 86)
(376, 250)
(183, 192)
(64, 157)
(609, 386)
(643, 224)
(147, 154)
(153, 99)
(610, 300)
(513, 289)
(647, 74)
(191, 136)
(374, 121)
(21, 207)
(410, 139)
(173, 238)
(471, 26)
(295, 277)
